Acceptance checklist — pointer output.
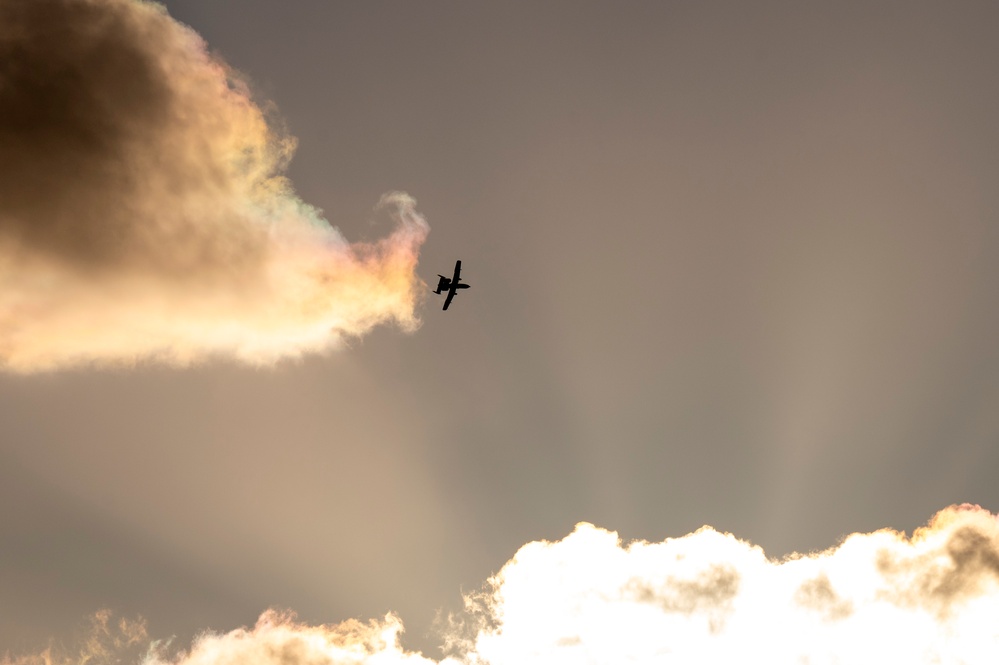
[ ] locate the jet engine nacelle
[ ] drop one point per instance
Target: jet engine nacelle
(444, 284)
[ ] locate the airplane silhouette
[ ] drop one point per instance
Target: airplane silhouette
(451, 285)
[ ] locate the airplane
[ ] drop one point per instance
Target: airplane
(450, 285)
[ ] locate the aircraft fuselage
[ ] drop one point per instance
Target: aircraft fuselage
(450, 285)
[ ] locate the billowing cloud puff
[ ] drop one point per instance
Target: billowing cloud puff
(710, 598)
(143, 211)
(278, 640)
(706, 597)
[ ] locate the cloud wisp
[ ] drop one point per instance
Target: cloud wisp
(706, 597)
(143, 210)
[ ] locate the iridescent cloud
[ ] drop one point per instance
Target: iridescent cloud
(143, 210)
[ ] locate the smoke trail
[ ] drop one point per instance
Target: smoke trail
(143, 214)
(706, 597)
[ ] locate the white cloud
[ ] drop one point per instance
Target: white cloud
(706, 597)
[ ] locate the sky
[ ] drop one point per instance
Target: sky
(731, 265)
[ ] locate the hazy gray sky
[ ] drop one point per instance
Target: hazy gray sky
(732, 264)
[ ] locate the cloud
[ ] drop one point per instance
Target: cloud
(278, 640)
(706, 597)
(709, 597)
(107, 641)
(143, 210)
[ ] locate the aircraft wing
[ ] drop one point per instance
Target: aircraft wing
(457, 272)
(450, 295)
